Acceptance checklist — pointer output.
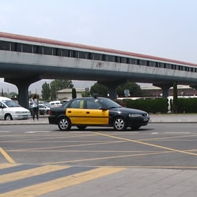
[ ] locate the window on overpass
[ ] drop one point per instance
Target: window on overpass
(117, 59)
(132, 61)
(37, 49)
(169, 66)
(48, 50)
(27, 48)
(18, 47)
(160, 65)
(143, 62)
(110, 58)
(151, 63)
(96, 56)
(83, 55)
(72, 53)
(63, 52)
(123, 60)
(5, 46)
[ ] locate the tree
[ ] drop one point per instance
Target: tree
(99, 89)
(59, 84)
(46, 92)
(133, 88)
(175, 99)
(13, 95)
(86, 93)
(74, 93)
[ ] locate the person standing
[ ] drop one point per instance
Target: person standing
(35, 107)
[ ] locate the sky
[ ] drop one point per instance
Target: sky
(163, 28)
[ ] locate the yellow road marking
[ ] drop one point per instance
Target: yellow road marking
(75, 145)
(28, 173)
(6, 155)
(45, 138)
(171, 137)
(109, 157)
(147, 144)
(60, 183)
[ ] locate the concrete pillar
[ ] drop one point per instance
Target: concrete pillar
(22, 85)
(112, 85)
(165, 88)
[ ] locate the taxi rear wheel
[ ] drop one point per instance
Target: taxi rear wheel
(64, 124)
(119, 124)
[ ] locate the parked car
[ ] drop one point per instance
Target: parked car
(55, 103)
(89, 111)
(43, 109)
(11, 110)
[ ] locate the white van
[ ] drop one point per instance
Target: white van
(10, 110)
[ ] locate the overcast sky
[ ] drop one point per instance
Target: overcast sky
(164, 28)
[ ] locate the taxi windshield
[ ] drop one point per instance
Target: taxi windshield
(109, 103)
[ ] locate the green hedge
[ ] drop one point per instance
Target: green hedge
(156, 105)
(160, 105)
(187, 105)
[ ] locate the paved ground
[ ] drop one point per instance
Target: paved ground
(162, 118)
(131, 182)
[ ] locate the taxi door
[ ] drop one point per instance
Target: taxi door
(89, 115)
(76, 112)
(95, 115)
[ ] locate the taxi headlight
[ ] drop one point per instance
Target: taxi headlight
(135, 115)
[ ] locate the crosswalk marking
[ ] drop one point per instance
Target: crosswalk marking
(38, 180)
(28, 173)
(6, 155)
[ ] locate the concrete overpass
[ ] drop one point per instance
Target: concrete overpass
(25, 60)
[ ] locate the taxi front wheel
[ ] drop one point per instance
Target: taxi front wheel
(64, 124)
(119, 124)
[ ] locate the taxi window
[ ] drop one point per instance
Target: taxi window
(79, 104)
(91, 104)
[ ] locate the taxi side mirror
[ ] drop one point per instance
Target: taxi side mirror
(103, 108)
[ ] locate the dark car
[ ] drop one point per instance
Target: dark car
(89, 111)
(43, 109)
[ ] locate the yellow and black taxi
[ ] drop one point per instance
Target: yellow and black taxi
(90, 111)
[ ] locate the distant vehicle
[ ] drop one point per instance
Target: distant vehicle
(88, 111)
(10, 110)
(43, 109)
(55, 103)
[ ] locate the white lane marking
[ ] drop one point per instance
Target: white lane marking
(37, 131)
(178, 132)
(168, 132)
(154, 133)
(5, 131)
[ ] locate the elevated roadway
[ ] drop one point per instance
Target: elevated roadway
(25, 60)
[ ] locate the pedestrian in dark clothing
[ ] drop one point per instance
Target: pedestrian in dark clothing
(35, 107)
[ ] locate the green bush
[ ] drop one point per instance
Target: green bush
(187, 105)
(160, 105)
(155, 105)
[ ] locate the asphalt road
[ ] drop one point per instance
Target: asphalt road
(158, 145)
(39, 160)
